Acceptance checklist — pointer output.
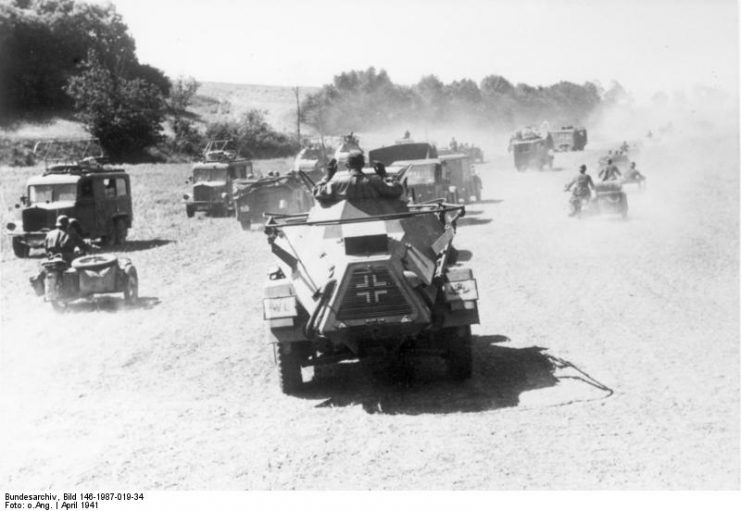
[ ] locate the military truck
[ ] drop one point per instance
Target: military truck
(531, 152)
(81, 187)
(569, 138)
(368, 278)
(287, 194)
(462, 176)
(213, 180)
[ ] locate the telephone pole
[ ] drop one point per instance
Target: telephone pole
(298, 115)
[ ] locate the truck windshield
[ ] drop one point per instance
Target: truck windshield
(52, 193)
(204, 175)
(420, 175)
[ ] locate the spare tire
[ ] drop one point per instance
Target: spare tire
(94, 262)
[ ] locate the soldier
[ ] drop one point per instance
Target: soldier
(355, 185)
(632, 174)
(407, 135)
(57, 241)
(74, 233)
(583, 186)
(610, 172)
(453, 144)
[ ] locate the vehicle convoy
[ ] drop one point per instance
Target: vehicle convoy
(530, 150)
(287, 194)
(427, 177)
(86, 276)
(312, 160)
(462, 176)
(569, 138)
(366, 278)
(213, 180)
(349, 143)
(80, 186)
(608, 198)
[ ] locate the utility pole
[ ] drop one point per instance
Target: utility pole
(298, 114)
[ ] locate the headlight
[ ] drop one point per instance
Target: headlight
(452, 189)
(186, 196)
(223, 195)
(11, 226)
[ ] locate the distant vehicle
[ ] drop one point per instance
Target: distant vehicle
(462, 176)
(619, 159)
(287, 195)
(349, 143)
(403, 151)
(213, 180)
(533, 152)
(89, 275)
(373, 278)
(609, 198)
(312, 160)
(569, 138)
(77, 184)
(425, 180)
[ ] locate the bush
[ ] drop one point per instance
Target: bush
(254, 137)
(125, 115)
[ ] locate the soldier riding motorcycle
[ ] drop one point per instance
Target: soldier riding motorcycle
(582, 190)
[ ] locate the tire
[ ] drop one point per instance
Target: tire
(189, 211)
(94, 262)
(20, 249)
(289, 368)
(459, 359)
(120, 230)
(131, 287)
(520, 168)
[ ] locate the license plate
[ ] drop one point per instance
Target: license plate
(279, 307)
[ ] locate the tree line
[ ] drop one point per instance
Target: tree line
(61, 56)
(370, 98)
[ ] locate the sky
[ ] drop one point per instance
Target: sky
(646, 45)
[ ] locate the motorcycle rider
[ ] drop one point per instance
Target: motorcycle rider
(356, 184)
(632, 174)
(583, 186)
(610, 172)
(56, 244)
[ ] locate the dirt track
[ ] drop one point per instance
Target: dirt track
(181, 393)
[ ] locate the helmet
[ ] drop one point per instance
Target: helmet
(582, 168)
(355, 160)
(62, 221)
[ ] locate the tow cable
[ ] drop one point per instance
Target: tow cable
(560, 363)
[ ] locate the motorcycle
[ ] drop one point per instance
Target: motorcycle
(86, 276)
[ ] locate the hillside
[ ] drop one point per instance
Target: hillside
(219, 101)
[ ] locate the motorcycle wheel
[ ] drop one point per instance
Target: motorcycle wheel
(131, 287)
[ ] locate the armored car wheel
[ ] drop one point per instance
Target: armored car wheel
(459, 359)
(20, 249)
(120, 231)
(289, 368)
(131, 287)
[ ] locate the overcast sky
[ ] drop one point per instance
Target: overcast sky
(647, 45)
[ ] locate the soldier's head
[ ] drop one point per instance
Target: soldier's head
(62, 222)
(355, 160)
(75, 224)
(583, 169)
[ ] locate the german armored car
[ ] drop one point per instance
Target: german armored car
(368, 278)
(80, 186)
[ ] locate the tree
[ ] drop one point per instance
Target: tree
(254, 137)
(126, 115)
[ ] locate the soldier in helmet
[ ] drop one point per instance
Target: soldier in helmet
(355, 184)
(582, 189)
(610, 172)
(57, 241)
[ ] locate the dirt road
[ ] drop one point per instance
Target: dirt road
(181, 393)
